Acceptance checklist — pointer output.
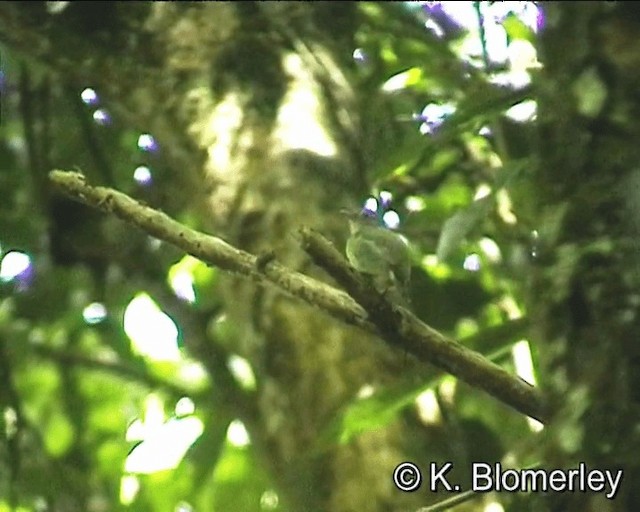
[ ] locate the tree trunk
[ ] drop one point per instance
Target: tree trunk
(585, 298)
(253, 109)
(279, 158)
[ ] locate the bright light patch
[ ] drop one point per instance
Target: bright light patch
(512, 79)
(101, 117)
(94, 313)
(146, 142)
(522, 56)
(193, 374)
(365, 391)
(523, 363)
(434, 28)
(428, 408)
(135, 431)
(269, 500)
(527, 12)
(430, 260)
(13, 264)
(129, 488)
(224, 123)
(152, 333)
(391, 219)
(466, 327)
(482, 191)
(402, 80)
(535, 243)
(183, 506)
(505, 207)
(415, 203)
(433, 115)
(465, 15)
(153, 243)
(511, 307)
(185, 407)
(10, 421)
(435, 268)
(182, 285)
(55, 7)
(490, 249)
(385, 197)
(163, 443)
(142, 175)
(447, 389)
(359, 55)
(301, 107)
(371, 204)
(164, 447)
(523, 112)
(181, 278)
(472, 263)
(237, 434)
(242, 371)
(493, 506)
(89, 96)
(152, 419)
(470, 49)
(462, 13)
(153, 412)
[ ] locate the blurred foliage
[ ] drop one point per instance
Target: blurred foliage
(70, 390)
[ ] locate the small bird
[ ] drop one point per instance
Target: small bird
(380, 252)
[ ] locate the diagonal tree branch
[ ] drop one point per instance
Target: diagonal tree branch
(210, 249)
(370, 310)
(402, 329)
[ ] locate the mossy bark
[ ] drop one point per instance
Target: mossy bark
(252, 107)
(584, 295)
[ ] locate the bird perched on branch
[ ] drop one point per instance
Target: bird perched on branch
(380, 252)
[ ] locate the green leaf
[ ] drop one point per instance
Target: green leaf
(402, 80)
(516, 29)
(205, 452)
(58, 434)
(375, 411)
(481, 104)
(240, 480)
(463, 222)
(456, 228)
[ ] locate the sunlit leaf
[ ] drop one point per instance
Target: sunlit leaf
(58, 434)
(516, 29)
(463, 222)
(165, 446)
(373, 412)
(456, 228)
(240, 481)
